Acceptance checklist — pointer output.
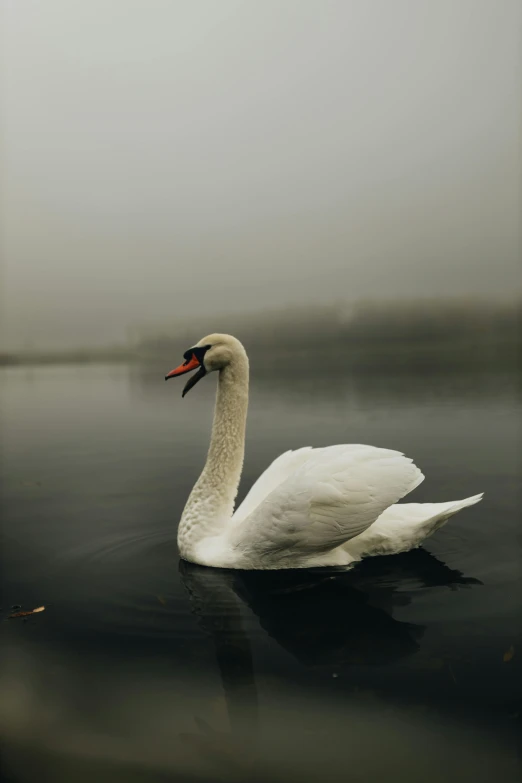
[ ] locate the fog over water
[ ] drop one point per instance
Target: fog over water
(163, 159)
(338, 183)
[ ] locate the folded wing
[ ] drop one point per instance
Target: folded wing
(327, 497)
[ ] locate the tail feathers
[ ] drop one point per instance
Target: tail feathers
(405, 526)
(459, 504)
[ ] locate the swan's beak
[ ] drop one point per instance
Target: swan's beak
(187, 366)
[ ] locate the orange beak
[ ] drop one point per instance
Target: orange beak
(187, 366)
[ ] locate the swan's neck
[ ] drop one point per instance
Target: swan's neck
(211, 502)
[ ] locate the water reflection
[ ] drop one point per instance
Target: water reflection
(323, 618)
(319, 616)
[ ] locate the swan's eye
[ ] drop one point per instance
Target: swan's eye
(198, 352)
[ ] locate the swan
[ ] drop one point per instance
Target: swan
(312, 507)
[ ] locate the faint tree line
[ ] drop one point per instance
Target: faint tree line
(365, 328)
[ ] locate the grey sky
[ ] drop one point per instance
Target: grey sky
(163, 157)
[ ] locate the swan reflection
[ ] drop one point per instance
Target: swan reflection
(323, 617)
(320, 616)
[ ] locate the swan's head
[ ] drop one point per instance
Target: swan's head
(214, 352)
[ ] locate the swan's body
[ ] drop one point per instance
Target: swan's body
(312, 507)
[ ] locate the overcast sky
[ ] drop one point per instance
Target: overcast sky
(164, 157)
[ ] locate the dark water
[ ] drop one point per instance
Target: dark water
(406, 668)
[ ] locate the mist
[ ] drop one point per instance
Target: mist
(178, 159)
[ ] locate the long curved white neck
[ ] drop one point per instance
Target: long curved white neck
(211, 502)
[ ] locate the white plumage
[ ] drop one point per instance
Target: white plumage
(311, 507)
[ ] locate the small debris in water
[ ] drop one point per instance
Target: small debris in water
(335, 675)
(25, 614)
(15, 607)
(508, 655)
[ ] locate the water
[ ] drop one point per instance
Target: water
(144, 669)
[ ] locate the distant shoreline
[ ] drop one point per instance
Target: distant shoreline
(388, 354)
(408, 334)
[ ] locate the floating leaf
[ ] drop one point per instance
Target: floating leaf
(508, 655)
(26, 614)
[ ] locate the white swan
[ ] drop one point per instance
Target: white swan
(311, 507)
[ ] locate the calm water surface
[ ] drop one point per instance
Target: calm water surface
(145, 669)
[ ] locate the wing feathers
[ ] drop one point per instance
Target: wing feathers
(316, 499)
